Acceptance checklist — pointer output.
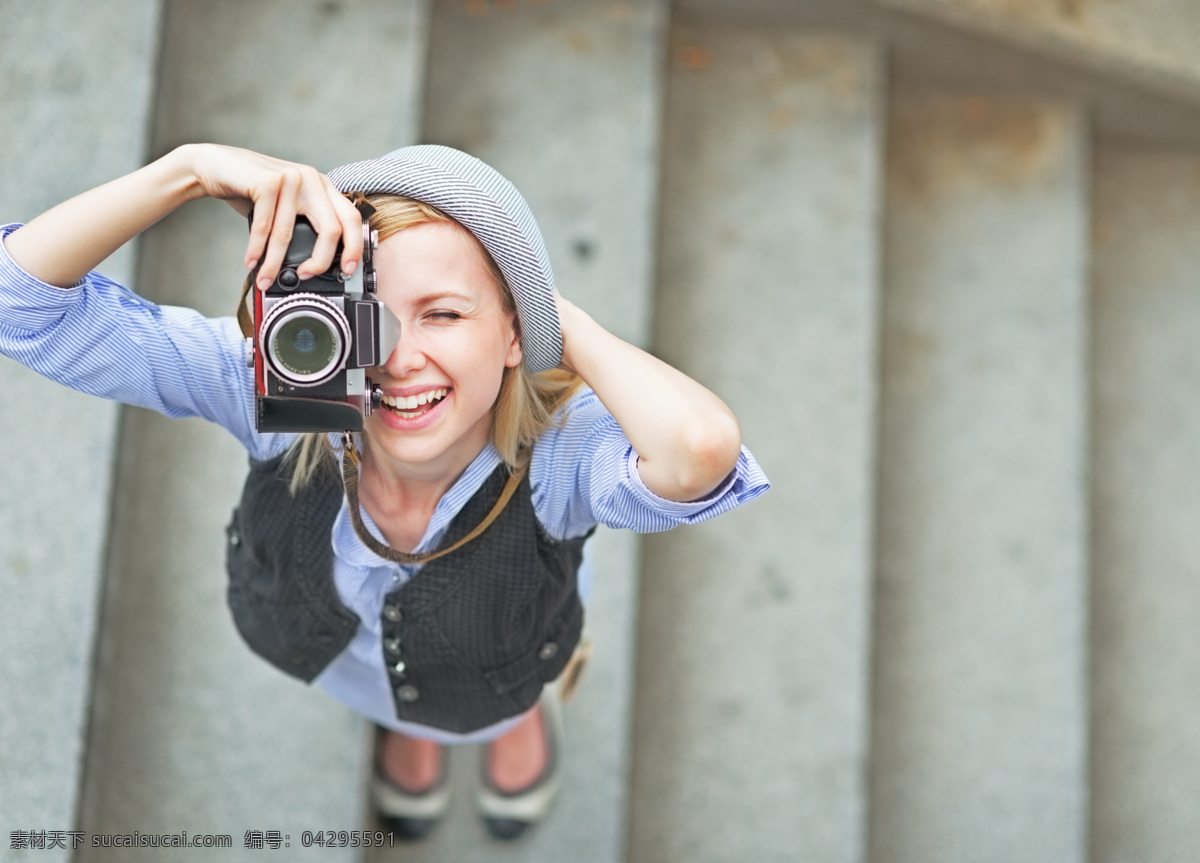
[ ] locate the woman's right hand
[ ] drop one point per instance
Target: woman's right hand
(65, 243)
(277, 191)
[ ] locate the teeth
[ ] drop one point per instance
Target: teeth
(402, 403)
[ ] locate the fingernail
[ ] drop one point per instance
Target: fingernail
(250, 265)
(349, 267)
(264, 283)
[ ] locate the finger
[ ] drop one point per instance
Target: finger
(323, 216)
(352, 233)
(335, 219)
(282, 222)
(260, 229)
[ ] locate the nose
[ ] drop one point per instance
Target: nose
(406, 358)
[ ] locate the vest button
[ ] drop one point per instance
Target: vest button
(399, 667)
(549, 651)
(408, 693)
(392, 645)
(392, 613)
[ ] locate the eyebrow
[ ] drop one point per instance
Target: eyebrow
(442, 295)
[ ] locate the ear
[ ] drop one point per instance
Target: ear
(514, 356)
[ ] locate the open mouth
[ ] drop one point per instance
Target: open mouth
(411, 407)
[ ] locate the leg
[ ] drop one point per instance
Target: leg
(411, 788)
(412, 764)
(516, 760)
(522, 770)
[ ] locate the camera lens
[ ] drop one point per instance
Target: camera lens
(304, 345)
(305, 340)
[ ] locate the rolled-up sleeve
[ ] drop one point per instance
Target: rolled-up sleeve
(584, 472)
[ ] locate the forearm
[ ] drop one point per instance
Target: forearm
(62, 245)
(687, 439)
(67, 242)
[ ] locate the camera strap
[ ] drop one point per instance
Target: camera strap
(245, 317)
(350, 464)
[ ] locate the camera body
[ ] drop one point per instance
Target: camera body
(314, 340)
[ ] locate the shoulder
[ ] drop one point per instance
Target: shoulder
(581, 431)
(583, 415)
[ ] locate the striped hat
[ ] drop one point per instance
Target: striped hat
(491, 208)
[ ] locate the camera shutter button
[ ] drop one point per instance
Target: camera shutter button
(288, 279)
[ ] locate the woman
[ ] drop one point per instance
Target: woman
(504, 406)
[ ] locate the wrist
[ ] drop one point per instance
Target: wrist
(179, 174)
(571, 320)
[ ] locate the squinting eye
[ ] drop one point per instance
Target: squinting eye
(446, 316)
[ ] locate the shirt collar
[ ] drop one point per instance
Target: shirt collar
(349, 549)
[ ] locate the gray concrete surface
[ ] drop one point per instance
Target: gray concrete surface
(980, 700)
(1155, 41)
(563, 98)
(192, 731)
(956, 52)
(73, 117)
(1145, 743)
(752, 704)
(754, 677)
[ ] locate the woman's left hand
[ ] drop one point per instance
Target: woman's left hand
(687, 439)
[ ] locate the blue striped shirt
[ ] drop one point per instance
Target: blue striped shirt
(100, 338)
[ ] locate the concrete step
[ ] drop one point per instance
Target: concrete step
(67, 129)
(1153, 44)
(752, 711)
(1072, 50)
(564, 99)
(980, 699)
(1146, 452)
(192, 731)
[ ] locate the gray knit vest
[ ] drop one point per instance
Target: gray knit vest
(468, 641)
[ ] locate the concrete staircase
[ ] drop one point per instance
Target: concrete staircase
(56, 490)
(940, 270)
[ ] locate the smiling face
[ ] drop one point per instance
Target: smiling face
(456, 339)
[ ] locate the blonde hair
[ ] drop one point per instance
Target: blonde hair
(527, 402)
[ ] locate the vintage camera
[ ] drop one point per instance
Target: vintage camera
(314, 339)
